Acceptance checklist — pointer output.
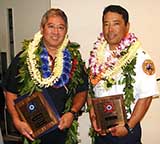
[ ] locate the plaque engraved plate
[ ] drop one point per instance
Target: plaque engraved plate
(110, 111)
(37, 113)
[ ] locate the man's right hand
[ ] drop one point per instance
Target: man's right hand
(23, 128)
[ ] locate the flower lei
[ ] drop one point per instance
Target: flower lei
(33, 65)
(47, 63)
(106, 66)
(34, 76)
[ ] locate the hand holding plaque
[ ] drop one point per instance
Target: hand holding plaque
(36, 111)
(110, 111)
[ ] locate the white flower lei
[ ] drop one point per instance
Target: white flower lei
(33, 66)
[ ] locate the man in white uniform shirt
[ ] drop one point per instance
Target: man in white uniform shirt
(119, 65)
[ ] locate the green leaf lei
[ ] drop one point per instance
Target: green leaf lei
(27, 85)
(72, 136)
(128, 81)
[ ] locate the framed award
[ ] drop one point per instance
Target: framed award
(110, 111)
(38, 112)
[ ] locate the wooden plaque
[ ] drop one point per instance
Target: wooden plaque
(37, 113)
(110, 111)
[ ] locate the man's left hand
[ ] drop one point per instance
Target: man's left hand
(118, 131)
(66, 121)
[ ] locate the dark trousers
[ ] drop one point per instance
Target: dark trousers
(131, 138)
(55, 137)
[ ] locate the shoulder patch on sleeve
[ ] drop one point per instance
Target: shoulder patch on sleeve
(148, 67)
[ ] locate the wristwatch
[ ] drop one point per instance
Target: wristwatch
(75, 114)
(130, 130)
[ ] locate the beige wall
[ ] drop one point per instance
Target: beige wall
(85, 25)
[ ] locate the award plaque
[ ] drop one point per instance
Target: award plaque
(110, 111)
(36, 111)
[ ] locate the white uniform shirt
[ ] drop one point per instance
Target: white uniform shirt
(144, 86)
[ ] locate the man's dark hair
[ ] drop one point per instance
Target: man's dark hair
(117, 9)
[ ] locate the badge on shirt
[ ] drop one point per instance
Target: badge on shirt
(148, 67)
